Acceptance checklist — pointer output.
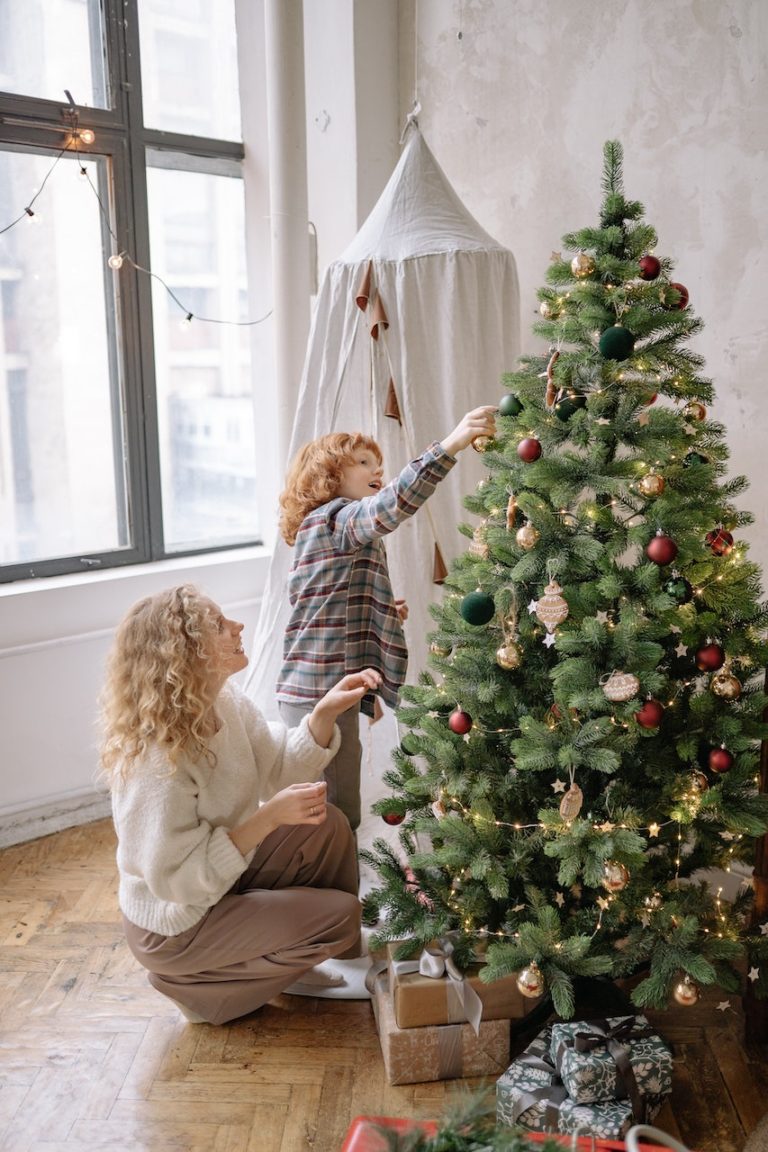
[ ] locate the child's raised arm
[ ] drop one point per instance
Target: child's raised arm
(478, 422)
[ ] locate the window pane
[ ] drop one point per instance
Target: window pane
(49, 45)
(204, 387)
(189, 67)
(61, 480)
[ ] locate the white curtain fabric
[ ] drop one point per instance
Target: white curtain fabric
(449, 293)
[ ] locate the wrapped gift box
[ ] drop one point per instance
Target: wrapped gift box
(531, 1095)
(423, 1000)
(365, 1135)
(438, 1052)
(611, 1059)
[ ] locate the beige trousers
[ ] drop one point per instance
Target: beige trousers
(295, 906)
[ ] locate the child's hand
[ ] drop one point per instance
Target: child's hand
(478, 422)
(402, 610)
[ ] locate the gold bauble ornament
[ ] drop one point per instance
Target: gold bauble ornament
(695, 411)
(552, 609)
(509, 656)
(528, 536)
(686, 992)
(725, 685)
(530, 981)
(548, 310)
(440, 650)
(582, 265)
(652, 484)
(482, 443)
(479, 545)
(571, 803)
(615, 875)
(621, 686)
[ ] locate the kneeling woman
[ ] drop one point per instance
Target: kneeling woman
(236, 876)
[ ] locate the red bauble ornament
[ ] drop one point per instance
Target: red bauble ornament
(710, 657)
(661, 549)
(720, 541)
(460, 721)
(529, 449)
(650, 267)
(721, 760)
(684, 294)
(650, 714)
(392, 818)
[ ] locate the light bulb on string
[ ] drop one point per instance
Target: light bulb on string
(33, 217)
(86, 135)
(116, 260)
(186, 322)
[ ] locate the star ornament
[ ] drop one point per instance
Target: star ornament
(764, 929)
(533, 605)
(653, 829)
(681, 650)
(559, 899)
(549, 639)
(606, 827)
(601, 617)
(753, 974)
(555, 257)
(558, 786)
(724, 1005)
(603, 903)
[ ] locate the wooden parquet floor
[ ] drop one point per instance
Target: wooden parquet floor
(92, 1059)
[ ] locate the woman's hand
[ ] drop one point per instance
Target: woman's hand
(296, 804)
(478, 422)
(343, 696)
(402, 610)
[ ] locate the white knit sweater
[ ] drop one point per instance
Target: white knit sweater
(174, 854)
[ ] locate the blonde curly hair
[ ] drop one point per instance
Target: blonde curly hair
(315, 476)
(159, 690)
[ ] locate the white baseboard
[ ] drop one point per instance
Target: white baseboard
(21, 824)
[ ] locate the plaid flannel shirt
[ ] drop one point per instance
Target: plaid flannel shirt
(344, 617)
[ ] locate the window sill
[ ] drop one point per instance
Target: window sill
(40, 610)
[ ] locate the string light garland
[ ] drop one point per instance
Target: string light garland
(87, 136)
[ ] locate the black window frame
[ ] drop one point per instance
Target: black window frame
(124, 141)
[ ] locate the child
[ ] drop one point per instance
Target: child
(334, 510)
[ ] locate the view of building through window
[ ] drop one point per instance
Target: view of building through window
(87, 466)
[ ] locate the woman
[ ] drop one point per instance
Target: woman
(236, 876)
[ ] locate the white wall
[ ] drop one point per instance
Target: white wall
(517, 111)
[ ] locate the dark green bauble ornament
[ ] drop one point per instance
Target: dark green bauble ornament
(477, 608)
(510, 405)
(616, 343)
(571, 402)
(692, 458)
(679, 589)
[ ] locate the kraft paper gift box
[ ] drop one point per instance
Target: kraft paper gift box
(437, 1052)
(421, 1000)
(610, 1059)
(531, 1095)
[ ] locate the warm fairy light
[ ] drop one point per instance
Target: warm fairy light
(87, 135)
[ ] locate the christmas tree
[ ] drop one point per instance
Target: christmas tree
(587, 738)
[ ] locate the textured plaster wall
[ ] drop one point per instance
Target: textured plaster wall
(517, 109)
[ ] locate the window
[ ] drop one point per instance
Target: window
(126, 393)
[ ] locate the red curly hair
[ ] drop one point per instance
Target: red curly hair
(315, 476)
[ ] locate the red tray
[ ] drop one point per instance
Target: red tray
(364, 1137)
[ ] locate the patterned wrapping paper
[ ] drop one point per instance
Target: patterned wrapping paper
(531, 1095)
(611, 1059)
(445, 1052)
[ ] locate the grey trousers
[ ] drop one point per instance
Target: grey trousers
(342, 775)
(295, 906)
